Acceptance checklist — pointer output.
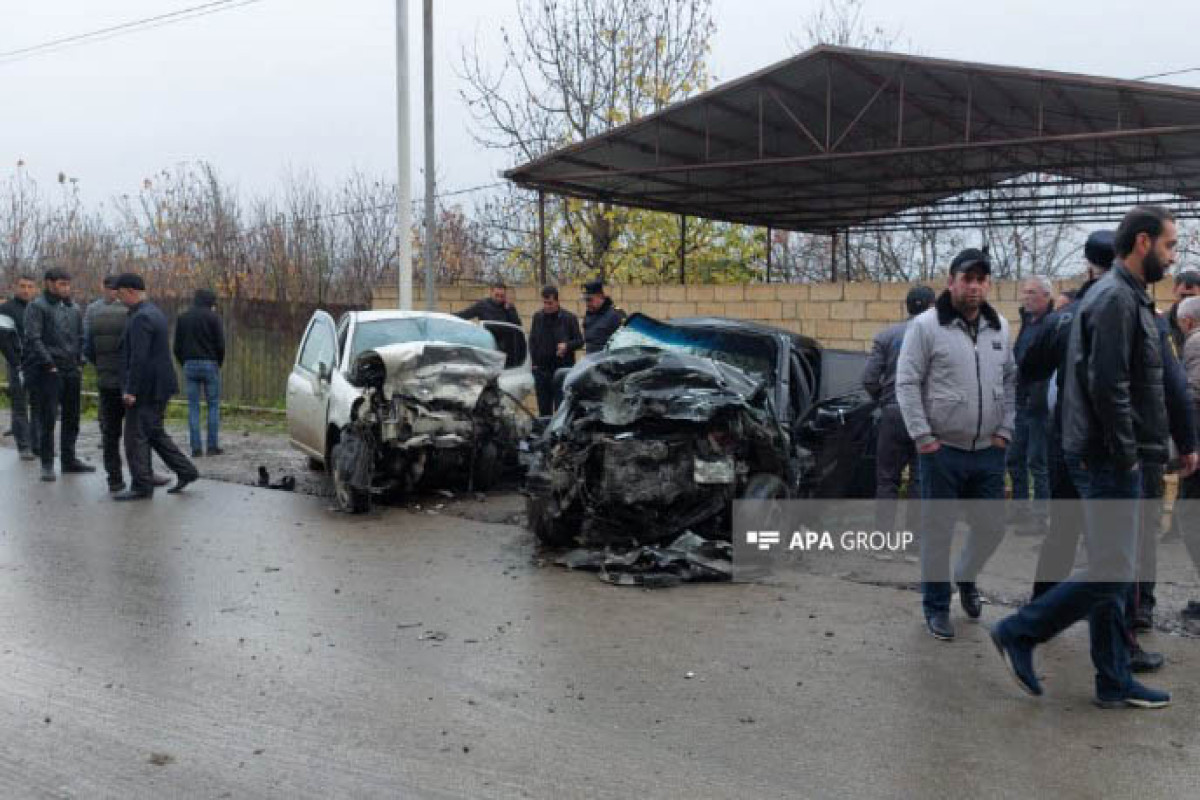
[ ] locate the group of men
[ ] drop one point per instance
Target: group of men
(46, 342)
(554, 336)
(1088, 401)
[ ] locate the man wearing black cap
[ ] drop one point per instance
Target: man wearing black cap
(956, 386)
(149, 382)
(602, 318)
(103, 328)
(553, 339)
(894, 450)
(52, 357)
(1114, 419)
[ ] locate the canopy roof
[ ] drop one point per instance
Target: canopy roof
(841, 138)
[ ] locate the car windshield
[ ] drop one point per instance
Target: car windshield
(381, 332)
(748, 353)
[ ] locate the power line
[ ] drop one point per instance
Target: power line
(1168, 74)
(124, 28)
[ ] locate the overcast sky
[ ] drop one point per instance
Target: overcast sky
(310, 84)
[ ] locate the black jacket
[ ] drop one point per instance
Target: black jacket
(11, 343)
(199, 336)
(53, 335)
(146, 357)
(489, 310)
(879, 375)
(1114, 407)
(103, 330)
(1031, 393)
(546, 334)
(598, 326)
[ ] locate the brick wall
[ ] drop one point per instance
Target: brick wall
(839, 315)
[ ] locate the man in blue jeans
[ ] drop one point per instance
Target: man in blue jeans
(1114, 417)
(200, 350)
(956, 387)
(1028, 455)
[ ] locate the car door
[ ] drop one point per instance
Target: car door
(517, 378)
(308, 385)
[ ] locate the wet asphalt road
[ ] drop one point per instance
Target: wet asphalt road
(235, 642)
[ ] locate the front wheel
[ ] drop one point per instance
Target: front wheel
(350, 499)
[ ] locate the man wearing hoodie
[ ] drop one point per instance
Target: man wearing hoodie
(956, 385)
(200, 350)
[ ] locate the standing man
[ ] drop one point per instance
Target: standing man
(894, 449)
(51, 361)
(103, 329)
(1027, 456)
(1184, 519)
(956, 386)
(12, 342)
(148, 383)
(200, 350)
(1114, 417)
(553, 340)
(1187, 284)
(496, 307)
(602, 318)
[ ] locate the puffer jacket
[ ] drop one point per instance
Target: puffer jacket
(1113, 405)
(103, 328)
(955, 386)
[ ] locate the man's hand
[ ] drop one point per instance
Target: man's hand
(1000, 441)
(129, 400)
(1188, 464)
(562, 349)
(930, 448)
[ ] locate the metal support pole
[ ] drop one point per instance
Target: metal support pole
(430, 171)
(542, 238)
(682, 249)
(769, 248)
(403, 162)
(833, 256)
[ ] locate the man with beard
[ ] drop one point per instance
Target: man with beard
(1114, 418)
(956, 386)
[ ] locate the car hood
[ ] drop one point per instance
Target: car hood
(621, 387)
(433, 372)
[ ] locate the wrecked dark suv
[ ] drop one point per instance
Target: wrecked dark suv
(659, 433)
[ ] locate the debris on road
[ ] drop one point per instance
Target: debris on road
(689, 558)
(286, 484)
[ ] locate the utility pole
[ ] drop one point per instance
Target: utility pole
(430, 176)
(403, 161)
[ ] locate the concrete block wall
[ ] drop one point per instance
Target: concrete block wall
(839, 315)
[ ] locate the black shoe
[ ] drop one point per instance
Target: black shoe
(181, 483)
(130, 494)
(1138, 696)
(1143, 619)
(76, 467)
(1018, 659)
(48, 473)
(938, 623)
(116, 487)
(972, 603)
(28, 455)
(1141, 661)
(1192, 610)
(216, 451)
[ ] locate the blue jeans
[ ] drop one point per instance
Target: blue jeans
(203, 376)
(951, 474)
(1101, 592)
(1027, 455)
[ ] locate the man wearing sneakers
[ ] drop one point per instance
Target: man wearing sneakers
(1114, 417)
(956, 385)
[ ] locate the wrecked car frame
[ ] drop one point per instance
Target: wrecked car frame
(660, 433)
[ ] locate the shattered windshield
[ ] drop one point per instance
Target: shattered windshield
(748, 353)
(381, 332)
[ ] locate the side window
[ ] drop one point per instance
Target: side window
(318, 347)
(801, 387)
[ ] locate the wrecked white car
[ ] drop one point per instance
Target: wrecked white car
(387, 401)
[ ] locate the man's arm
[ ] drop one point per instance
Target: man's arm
(1005, 431)
(35, 322)
(1175, 387)
(137, 336)
(219, 337)
(470, 312)
(511, 312)
(873, 371)
(177, 342)
(910, 377)
(1109, 329)
(574, 335)
(1041, 358)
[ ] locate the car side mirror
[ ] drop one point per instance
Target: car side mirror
(324, 373)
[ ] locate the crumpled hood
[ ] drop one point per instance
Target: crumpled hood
(623, 386)
(432, 372)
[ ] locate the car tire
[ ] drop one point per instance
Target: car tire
(348, 499)
(316, 464)
(486, 469)
(551, 531)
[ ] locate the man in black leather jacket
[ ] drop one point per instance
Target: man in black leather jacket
(1114, 417)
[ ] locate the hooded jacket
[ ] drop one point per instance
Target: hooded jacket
(956, 384)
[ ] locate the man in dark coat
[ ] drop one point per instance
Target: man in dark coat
(51, 361)
(602, 318)
(103, 329)
(200, 350)
(553, 340)
(494, 308)
(11, 343)
(149, 382)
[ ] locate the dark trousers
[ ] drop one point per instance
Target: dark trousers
(21, 428)
(1057, 556)
(951, 474)
(55, 394)
(1027, 456)
(144, 432)
(203, 380)
(1185, 518)
(112, 421)
(543, 383)
(1153, 489)
(1101, 592)
(894, 451)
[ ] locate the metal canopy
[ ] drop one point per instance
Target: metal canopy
(840, 138)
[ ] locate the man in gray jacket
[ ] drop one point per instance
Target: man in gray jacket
(894, 448)
(956, 385)
(103, 327)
